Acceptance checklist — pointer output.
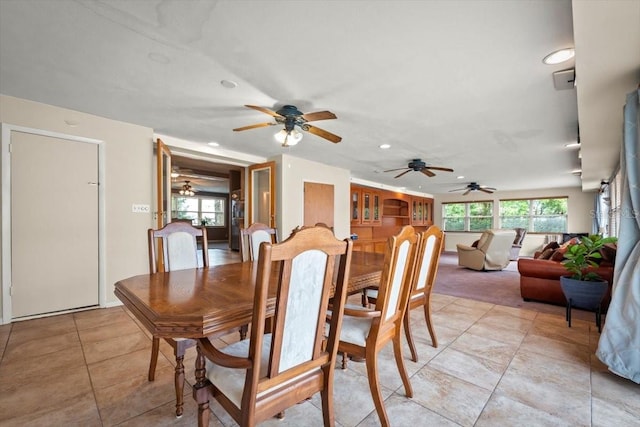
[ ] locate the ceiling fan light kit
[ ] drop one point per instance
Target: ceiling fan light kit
(288, 138)
(187, 190)
(291, 117)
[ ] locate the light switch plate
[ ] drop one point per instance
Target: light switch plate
(138, 208)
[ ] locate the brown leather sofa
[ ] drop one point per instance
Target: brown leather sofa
(540, 280)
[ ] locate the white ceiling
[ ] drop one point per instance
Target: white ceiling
(458, 84)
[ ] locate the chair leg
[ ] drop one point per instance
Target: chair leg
(397, 352)
(427, 318)
(344, 360)
(371, 361)
(407, 331)
(179, 383)
(201, 390)
(327, 398)
(155, 348)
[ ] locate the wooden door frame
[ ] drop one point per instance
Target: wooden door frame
(163, 183)
(271, 166)
(5, 155)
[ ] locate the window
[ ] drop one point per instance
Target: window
(203, 210)
(535, 215)
(471, 216)
(615, 203)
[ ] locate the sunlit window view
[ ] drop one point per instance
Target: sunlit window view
(535, 215)
(202, 211)
(471, 216)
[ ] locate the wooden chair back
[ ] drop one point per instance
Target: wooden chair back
(427, 258)
(426, 267)
(297, 359)
(252, 236)
(175, 247)
(395, 281)
(366, 332)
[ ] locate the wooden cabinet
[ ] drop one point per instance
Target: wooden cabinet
(365, 206)
(395, 208)
(373, 245)
(421, 211)
(355, 205)
(377, 214)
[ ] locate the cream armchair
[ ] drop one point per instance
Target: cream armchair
(492, 252)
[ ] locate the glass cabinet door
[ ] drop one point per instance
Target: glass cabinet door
(366, 207)
(376, 208)
(355, 206)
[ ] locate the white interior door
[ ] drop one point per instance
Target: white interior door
(54, 224)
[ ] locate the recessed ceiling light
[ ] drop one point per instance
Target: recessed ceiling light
(577, 172)
(460, 177)
(229, 84)
(71, 123)
(214, 144)
(572, 145)
(559, 56)
(385, 146)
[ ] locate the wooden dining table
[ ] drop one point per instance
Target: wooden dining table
(205, 302)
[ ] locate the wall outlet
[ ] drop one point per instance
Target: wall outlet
(137, 208)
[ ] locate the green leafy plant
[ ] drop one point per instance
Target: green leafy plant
(583, 255)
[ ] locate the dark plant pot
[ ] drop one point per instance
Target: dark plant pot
(584, 294)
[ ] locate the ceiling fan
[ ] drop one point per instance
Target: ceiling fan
(290, 117)
(474, 186)
(418, 165)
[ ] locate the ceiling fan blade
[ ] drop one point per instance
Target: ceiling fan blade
(319, 115)
(393, 170)
(259, 125)
(466, 192)
(485, 190)
(428, 172)
(399, 175)
(439, 168)
(322, 133)
(457, 189)
(264, 110)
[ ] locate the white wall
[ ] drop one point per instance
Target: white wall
(128, 163)
(292, 173)
(580, 212)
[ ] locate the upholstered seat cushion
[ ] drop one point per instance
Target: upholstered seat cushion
(355, 329)
(230, 381)
(373, 293)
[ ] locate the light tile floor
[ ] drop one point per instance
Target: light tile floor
(495, 366)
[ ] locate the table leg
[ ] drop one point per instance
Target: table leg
(179, 384)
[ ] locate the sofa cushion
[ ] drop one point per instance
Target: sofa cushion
(558, 254)
(608, 252)
(546, 254)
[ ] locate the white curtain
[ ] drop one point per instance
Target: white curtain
(619, 345)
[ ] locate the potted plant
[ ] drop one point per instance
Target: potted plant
(584, 288)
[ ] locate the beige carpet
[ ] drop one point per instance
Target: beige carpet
(496, 287)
